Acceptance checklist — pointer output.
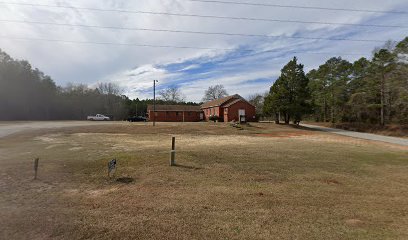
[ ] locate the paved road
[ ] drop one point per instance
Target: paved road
(7, 128)
(367, 136)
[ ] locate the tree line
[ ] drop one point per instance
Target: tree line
(371, 91)
(137, 107)
(26, 93)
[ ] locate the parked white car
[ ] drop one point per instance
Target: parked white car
(98, 117)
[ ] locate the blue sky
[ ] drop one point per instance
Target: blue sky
(249, 66)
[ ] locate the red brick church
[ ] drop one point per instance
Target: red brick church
(227, 109)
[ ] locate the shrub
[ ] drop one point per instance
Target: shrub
(214, 118)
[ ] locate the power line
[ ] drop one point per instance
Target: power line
(189, 32)
(168, 46)
(113, 43)
(203, 16)
(298, 7)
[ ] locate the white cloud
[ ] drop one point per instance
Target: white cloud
(140, 79)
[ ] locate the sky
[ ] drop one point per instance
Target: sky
(245, 65)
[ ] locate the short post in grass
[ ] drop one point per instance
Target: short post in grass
(111, 168)
(36, 167)
(173, 152)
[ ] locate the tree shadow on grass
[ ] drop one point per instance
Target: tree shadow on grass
(125, 180)
(187, 167)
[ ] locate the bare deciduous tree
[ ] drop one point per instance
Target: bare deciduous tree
(257, 100)
(109, 88)
(172, 94)
(389, 45)
(214, 92)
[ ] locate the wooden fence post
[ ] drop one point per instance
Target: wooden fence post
(173, 152)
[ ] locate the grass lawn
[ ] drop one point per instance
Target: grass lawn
(262, 181)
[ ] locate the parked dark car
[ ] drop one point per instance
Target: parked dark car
(137, 119)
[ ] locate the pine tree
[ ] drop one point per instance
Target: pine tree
(329, 87)
(382, 67)
(289, 94)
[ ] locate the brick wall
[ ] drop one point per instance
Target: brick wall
(175, 116)
(231, 113)
(218, 111)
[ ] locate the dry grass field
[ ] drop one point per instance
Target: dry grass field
(263, 181)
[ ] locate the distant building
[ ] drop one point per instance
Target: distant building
(229, 109)
(175, 113)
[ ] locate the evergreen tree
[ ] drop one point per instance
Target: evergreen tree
(399, 105)
(329, 86)
(383, 65)
(289, 94)
(358, 107)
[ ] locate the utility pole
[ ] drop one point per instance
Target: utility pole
(154, 102)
